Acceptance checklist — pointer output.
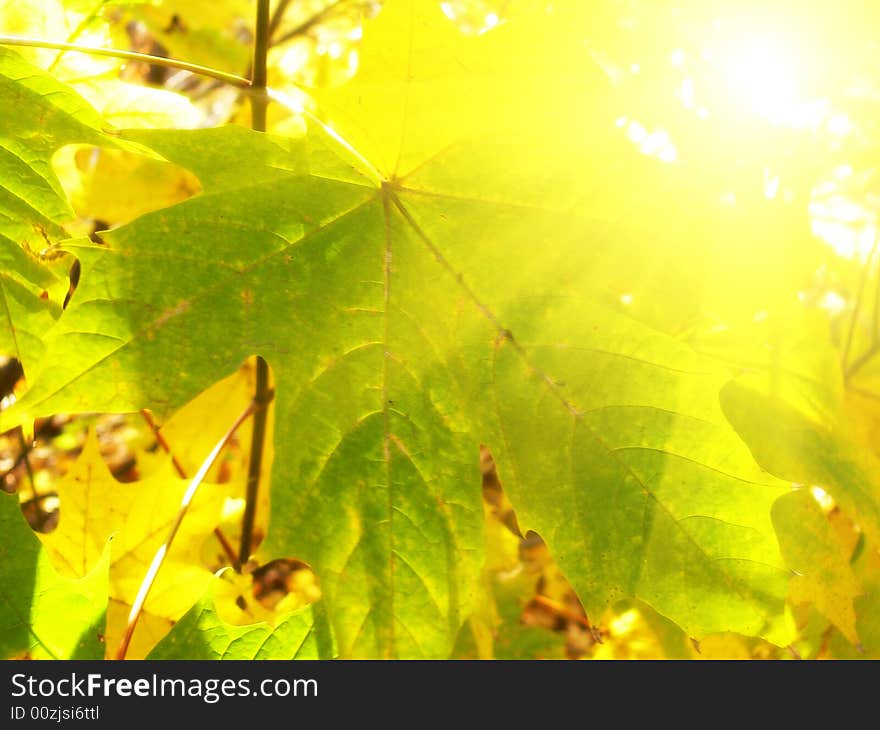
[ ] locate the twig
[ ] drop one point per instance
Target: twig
(307, 25)
(259, 73)
(562, 610)
(301, 29)
(232, 79)
(274, 23)
(262, 398)
(277, 17)
(159, 557)
(25, 455)
(181, 472)
(163, 443)
(263, 393)
(45, 425)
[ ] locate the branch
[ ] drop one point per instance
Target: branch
(277, 17)
(232, 79)
(307, 25)
(263, 394)
(25, 455)
(41, 429)
(159, 557)
(259, 100)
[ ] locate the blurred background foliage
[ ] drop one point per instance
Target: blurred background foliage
(742, 167)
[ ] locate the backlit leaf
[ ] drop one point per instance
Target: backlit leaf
(202, 634)
(419, 289)
(39, 116)
(94, 506)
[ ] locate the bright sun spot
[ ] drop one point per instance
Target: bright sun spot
(826, 502)
(763, 75)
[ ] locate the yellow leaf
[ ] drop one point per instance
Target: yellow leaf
(812, 549)
(398, 111)
(115, 187)
(95, 506)
(194, 429)
(150, 630)
(130, 106)
(723, 646)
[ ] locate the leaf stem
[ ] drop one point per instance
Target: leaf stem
(259, 74)
(301, 29)
(262, 397)
(263, 392)
(25, 455)
(162, 552)
(232, 79)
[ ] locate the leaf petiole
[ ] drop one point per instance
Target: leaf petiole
(232, 79)
(162, 552)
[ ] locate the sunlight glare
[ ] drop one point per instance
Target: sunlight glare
(687, 94)
(654, 144)
(623, 624)
(771, 184)
(826, 502)
(834, 304)
(763, 75)
(840, 125)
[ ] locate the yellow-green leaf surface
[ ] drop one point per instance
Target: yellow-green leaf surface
(94, 506)
(33, 596)
(419, 273)
(202, 634)
(39, 116)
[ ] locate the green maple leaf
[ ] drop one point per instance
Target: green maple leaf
(420, 289)
(202, 634)
(39, 116)
(33, 596)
